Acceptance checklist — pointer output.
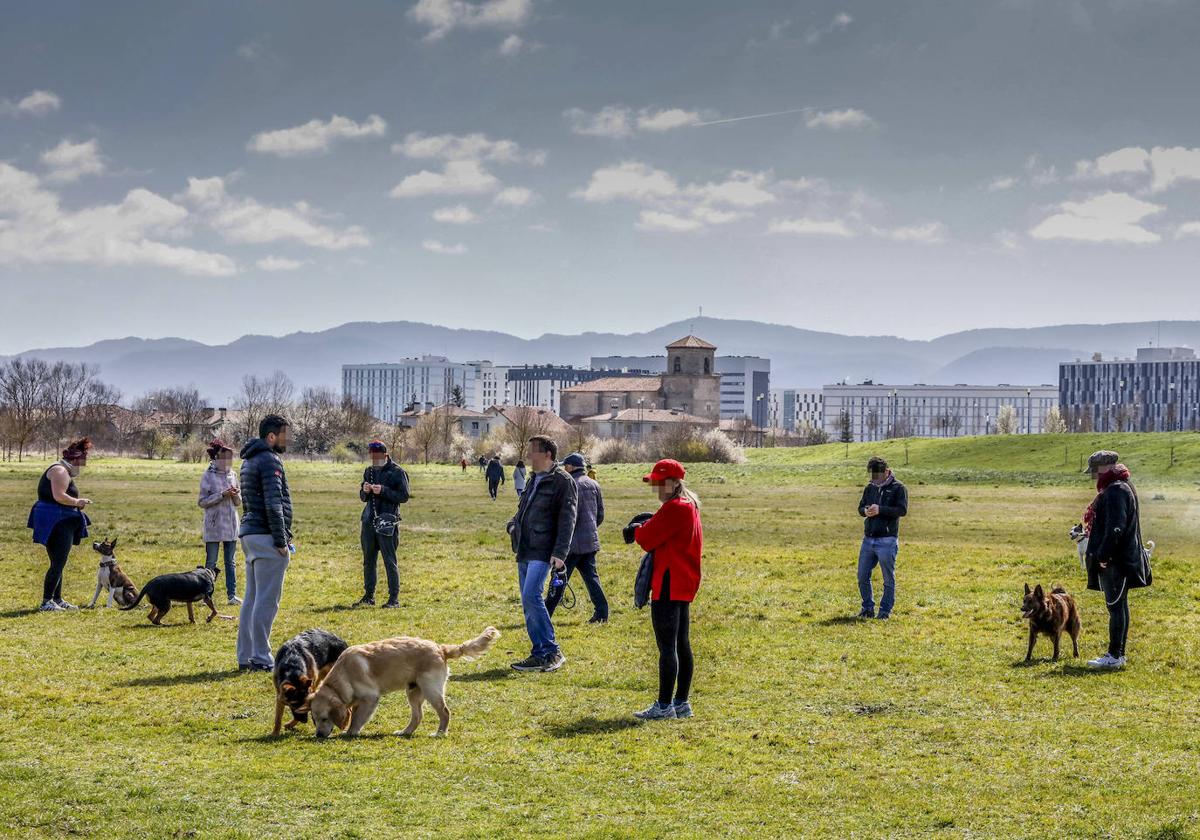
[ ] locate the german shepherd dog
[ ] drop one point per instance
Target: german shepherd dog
(1050, 614)
(110, 577)
(183, 588)
(300, 665)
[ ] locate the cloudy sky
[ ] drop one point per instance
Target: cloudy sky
(213, 169)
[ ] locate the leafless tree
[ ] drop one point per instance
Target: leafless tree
(318, 421)
(65, 392)
(523, 422)
(261, 396)
(22, 397)
(181, 408)
(426, 434)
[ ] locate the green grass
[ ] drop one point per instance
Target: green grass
(807, 724)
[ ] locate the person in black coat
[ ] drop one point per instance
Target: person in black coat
(384, 488)
(1116, 559)
(884, 501)
(495, 476)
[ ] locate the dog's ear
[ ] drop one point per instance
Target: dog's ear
(1027, 589)
(304, 680)
(1038, 592)
(345, 724)
(112, 543)
(287, 687)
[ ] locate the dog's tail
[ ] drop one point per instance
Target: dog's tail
(1058, 589)
(136, 600)
(472, 649)
(1150, 546)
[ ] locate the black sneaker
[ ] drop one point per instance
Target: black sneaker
(866, 614)
(530, 663)
(555, 662)
(258, 666)
(364, 602)
(597, 619)
(245, 666)
(391, 605)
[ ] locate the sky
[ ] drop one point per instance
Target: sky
(208, 170)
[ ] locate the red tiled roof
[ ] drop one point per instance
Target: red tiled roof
(617, 383)
(691, 341)
(649, 415)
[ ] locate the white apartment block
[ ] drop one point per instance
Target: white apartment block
(793, 409)
(491, 386)
(387, 389)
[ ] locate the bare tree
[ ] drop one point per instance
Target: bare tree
(317, 419)
(523, 422)
(261, 396)
(426, 434)
(66, 390)
(182, 408)
(22, 397)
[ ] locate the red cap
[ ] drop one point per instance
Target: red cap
(666, 468)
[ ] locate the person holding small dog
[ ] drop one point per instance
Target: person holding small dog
(384, 488)
(541, 538)
(675, 539)
(585, 542)
(1116, 558)
(884, 501)
(58, 520)
(266, 533)
(220, 499)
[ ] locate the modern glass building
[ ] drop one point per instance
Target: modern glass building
(1158, 391)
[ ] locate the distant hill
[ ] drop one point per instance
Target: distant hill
(799, 357)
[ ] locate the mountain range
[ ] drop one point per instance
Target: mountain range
(799, 357)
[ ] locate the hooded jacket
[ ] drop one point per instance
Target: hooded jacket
(892, 498)
(1116, 537)
(589, 515)
(220, 511)
(394, 483)
(266, 502)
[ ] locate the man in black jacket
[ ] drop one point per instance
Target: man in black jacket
(495, 476)
(1116, 561)
(541, 534)
(884, 501)
(384, 488)
(266, 533)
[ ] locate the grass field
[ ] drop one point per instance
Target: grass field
(808, 724)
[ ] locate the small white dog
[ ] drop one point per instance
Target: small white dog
(1080, 538)
(110, 577)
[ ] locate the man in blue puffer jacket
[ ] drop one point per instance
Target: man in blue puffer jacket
(266, 533)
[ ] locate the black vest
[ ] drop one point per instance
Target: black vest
(46, 493)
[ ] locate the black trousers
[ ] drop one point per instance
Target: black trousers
(493, 486)
(58, 547)
(675, 665)
(586, 564)
(1116, 598)
(372, 546)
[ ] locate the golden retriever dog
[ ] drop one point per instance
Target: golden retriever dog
(364, 673)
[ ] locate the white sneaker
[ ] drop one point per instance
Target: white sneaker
(234, 601)
(49, 606)
(1107, 662)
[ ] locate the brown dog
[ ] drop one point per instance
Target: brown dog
(110, 577)
(1050, 614)
(349, 694)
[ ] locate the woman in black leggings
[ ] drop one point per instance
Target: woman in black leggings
(675, 538)
(58, 520)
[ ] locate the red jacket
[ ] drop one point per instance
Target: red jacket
(675, 536)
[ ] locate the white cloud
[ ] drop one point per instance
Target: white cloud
(37, 103)
(712, 216)
(1109, 217)
(631, 181)
(1166, 166)
(273, 263)
(660, 221)
(928, 233)
(514, 45)
(811, 227)
(515, 196)
(1123, 161)
(459, 214)
(442, 248)
(1002, 182)
(610, 121)
(839, 120)
(35, 229)
(71, 161)
(458, 177)
(442, 16)
(246, 220)
(465, 147)
(315, 136)
(741, 189)
(252, 50)
(1173, 165)
(1187, 229)
(840, 21)
(667, 119)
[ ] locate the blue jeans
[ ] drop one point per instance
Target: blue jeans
(532, 576)
(211, 550)
(879, 551)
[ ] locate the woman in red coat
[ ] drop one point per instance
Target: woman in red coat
(676, 539)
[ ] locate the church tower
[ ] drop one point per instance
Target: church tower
(691, 383)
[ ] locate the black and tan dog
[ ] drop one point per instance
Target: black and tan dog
(1050, 615)
(181, 588)
(110, 577)
(300, 665)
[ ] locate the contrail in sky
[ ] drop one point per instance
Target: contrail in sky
(755, 116)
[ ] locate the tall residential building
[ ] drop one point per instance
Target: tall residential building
(1156, 392)
(743, 380)
(876, 412)
(539, 386)
(491, 385)
(387, 389)
(796, 408)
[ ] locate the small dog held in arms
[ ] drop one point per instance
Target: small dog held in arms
(1050, 614)
(181, 588)
(300, 665)
(348, 696)
(1079, 536)
(110, 577)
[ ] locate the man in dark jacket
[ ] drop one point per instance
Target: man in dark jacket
(1116, 561)
(541, 534)
(585, 542)
(495, 476)
(384, 488)
(266, 533)
(884, 501)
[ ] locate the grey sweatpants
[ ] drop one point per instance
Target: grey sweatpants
(265, 569)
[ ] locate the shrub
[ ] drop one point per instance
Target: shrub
(191, 451)
(343, 454)
(617, 451)
(719, 449)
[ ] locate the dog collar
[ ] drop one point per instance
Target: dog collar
(108, 561)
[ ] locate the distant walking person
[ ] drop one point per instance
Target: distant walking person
(384, 488)
(482, 464)
(220, 499)
(1116, 559)
(266, 534)
(884, 501)
(519, 477)
(675, 538)
(495, 476)
(585, 542)
(463, 463)
(58, 520)
(541, 538)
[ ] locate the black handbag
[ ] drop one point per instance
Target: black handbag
(641, 584)
(384, 524)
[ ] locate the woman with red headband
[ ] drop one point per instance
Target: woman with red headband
(675, 539)
(58, 520)
(220, 498)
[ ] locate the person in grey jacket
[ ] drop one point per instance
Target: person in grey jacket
(541, 538)
(266, 534)
(585, 542)
(220, 499)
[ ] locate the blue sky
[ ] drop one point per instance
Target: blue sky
(213, 169)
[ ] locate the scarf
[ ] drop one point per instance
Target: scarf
(1118, 473)
(888, 477)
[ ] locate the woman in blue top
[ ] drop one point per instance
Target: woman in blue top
(58, 520)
